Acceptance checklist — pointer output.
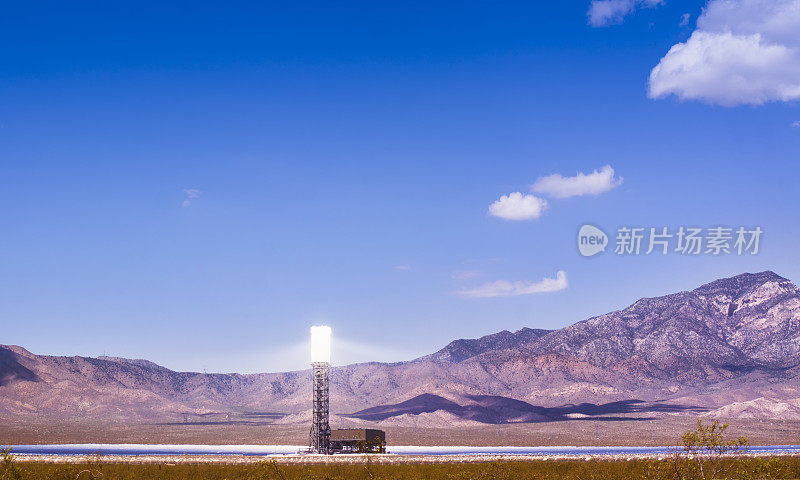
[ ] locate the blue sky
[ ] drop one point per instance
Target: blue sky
(342, 159)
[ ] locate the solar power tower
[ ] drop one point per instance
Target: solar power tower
(320, 437)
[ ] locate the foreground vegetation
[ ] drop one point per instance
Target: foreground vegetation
(705, 453)
(772, 468)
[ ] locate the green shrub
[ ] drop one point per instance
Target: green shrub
(8, 466)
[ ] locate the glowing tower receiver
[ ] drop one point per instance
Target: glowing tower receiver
(320, 438)
(320, 344)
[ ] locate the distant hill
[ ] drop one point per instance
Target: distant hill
(495, 410)
(729, 348)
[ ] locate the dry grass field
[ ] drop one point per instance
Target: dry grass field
(741, 468)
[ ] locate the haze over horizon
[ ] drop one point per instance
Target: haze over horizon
(198, 187)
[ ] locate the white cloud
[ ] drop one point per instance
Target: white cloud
(466, 275)
(403, 267)
(796, 124)
(609, 12)
(685, 19)
(743, 52)
(190, 193)
(581, 184)
(505, 288)
(516, 206)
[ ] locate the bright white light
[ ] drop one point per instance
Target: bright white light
(320, 344)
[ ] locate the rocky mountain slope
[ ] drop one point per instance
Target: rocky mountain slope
(731, 348)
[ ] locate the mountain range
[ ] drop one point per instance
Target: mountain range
(730, 348)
